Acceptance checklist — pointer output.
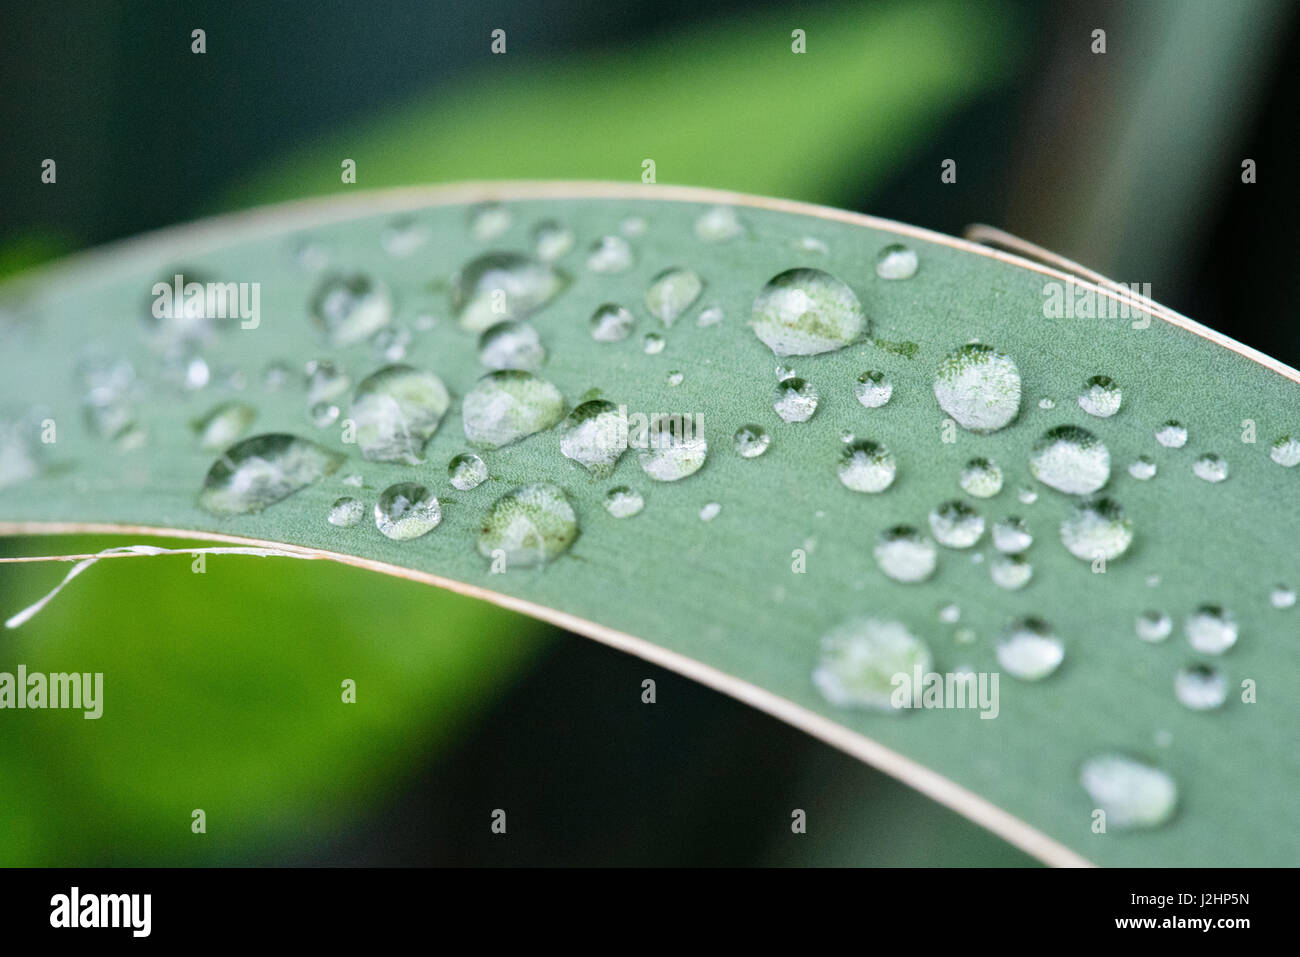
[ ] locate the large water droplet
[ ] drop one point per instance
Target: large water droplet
(795, 399)
(803, 312)
(860, 658)
(498, 286)
(1131, 793)
(510, 405)
(1097, 529)
(223, 424)
(466, 471)
(979, 387)
(611, 323)
(1071, 460)
(1011, 536)
(1029, 650)
(595, 435)
(1011, 572)
(623, 502)
(873, 389)
(396, 410)
(610, 254)
(672, 292)
(1211, 630)
(511, 345)
(407, 510)
(751, 441)
(867, 466)
(1211, 468)
(905, 555)
(675, 449)
(530, 525)
(351, 308)
(1172, 435)
(345, 512)
(896, 261)
(1286, 452)
(981, 478)
(1200, 687)
(262, 470)
(955, 524)
(1101, 397)
(1153, 625)
(718, 224)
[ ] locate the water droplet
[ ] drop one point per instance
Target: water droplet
(672, 292)
(950, 614)
(498, 286)
(654, 343)
(1142, 468)
(1282, 597)
(487, 221)
(718, 224)
(1071, 460)
(1200, 687)
(351, 308)
(466, 471)
(324, 414)
(390, 344)
(309, 256)
(979, 387)
(531, 524)
(905, 555)
(1153, 625)
(354, 480)
(803, 312)
(551, 240)
(873, 389)
(811, 244)
(407, 510)
(1101, 397)
(710, 316)
(1011, 572)
(675, 449)
(1172, 435)
(1011, 536)
(510, 405)
(1027, 496)
(846, 436)
(795, 400)
(1046, 404)
(346, 512)
(396, 410)
(511, 345)
(276, 375)
(1029, 650)
(1210, 467)
(981, 478)
(263, 470)
(860, 658)
(609, 254)
(1211, 630)
(1286, 452)
(867, 466)
(955, 524)
(1132, 794)
(675, 378)
(633, 226)
(751, 441)
(324, 381)
(595, 435)
(224, 423)
(896, 261)
(710, 511)
(1097, 528)
(623, 502)
(403, 236)
(611, 323)
(108, 383)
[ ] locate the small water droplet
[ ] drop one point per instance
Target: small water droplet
(623, 502)
(905, 555)
(346, 512)
(751, 441)
(873, 389)
(860, 658)
(1153, 625)
(354, 480)
(1027, 496)
(1071, 460)
(1172, 435)
(262, 470)
(466, 471)
(551, 240)
(611, 323)
(510, 405)
(950, 614)
(1286, 452)
(1282, 596)
(1011, 572)
(1143, 468)
(396, 410)
(223, 424)
(403, 236)
(407, 510)
(609, 254)
(498, 286)
(1011, 536)
(867, 466)
(511, 345)
(324, 381)
(675, 449)
(351, 308)
(1046, 404)
(710, 511)
(1101, 397)
(654, 343)
(390, 343)
(1097, 528)
(710, 316)
(718, 224)
(595, 435)
(324, 414)
(633, 226)
(1029, 650)
(675, 378)
(487, 221)
(804, 312)
(955, 524)
(811, 244)
(276, 375)
(1133, 794)
(979, 387)
(531, 525)
(795, 400)
(1211, 468)
(896, 261)
(1211, 630)
(1200, 687)
(672, 292)
(981, 478)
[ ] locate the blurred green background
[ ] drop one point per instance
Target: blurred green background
(223, 689)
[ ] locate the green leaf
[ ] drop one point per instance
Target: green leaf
(722, 600)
